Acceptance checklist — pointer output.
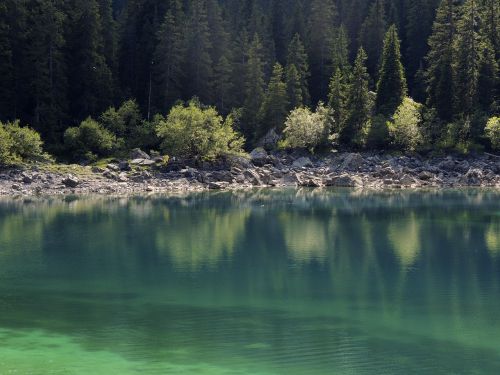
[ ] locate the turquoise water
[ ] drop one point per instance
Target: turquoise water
(262, 282)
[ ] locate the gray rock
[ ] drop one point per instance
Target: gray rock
(71, 181)
(425, 175)
(291, 179)
(407, 180)
(96, 169)
(16, 187)
(27, 179)
(270, 140)
(240, 162)
(124, 166)
(252, 177)
(259, 156)
(113, 167)
(302, 162)
(143, 162)
(223, 176)
(137, 153)
(217, 185)
(343, 180)
(352, 161)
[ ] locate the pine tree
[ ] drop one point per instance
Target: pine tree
(340, 51)
(488, 78)
(223, 84)
(169, 56)
(356, 12)
(297, 56)
(439, 73)
(418, 28)
(48, 68)
(391, 86)
(371, 36)
(337, 97)
(108, 27)
(275, 106)
(254, 88)
(466, 62)
(6, 68)
(321, 32)
(293, 87)
(198, 63)
(90, 78)
(358, 102)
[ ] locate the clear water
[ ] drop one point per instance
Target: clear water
(262, 282)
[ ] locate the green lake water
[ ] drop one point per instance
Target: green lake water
(261, 282)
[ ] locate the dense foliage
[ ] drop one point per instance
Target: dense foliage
(122, 62)
(193, 131)
(19, 144)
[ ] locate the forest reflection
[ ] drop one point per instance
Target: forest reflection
(382, 257)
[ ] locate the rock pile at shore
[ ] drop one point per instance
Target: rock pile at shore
(370, 171)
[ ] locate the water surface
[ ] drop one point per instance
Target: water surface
(262, 282)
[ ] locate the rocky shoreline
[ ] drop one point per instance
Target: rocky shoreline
(144, 174)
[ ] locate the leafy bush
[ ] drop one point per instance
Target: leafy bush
(196, 131)
(405, 127)
(306, 129)
(18, 144)
(492, 132)
(90, 139)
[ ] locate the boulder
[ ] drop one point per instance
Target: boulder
(252, 177)
(291, 179)
(240, 162)
(143, 162)
(270, 140)
(352, 161)
(96, 169)
(113, 167)
(259, 156)
(137, 153)
(343, 180)
(217, 185)
(27, 179)
(425, 175)
(124, 165)
(302, 162)
(71, 181)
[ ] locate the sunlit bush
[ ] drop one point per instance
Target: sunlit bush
(492, 132)
(18, 144)
(404, 129)
(197, 131)
(306, 129)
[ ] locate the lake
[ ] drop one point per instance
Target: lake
(257, 282)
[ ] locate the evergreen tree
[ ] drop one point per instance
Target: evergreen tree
(358, 102)
(6, 68)
(356, 11)
(371, 36)
(223, 84)
(467, 60)
(391, 86)
(198, 63)
(108, 27)
(89, 76)
(297, 57)
(321, 32)
(241, 47)
(340, 49)
(418, 28)
(488, 78)
(169, 56)
(439, 73)
(337, 98)
(254, 88)
(46, 58)
(275, 106)
(293, 87)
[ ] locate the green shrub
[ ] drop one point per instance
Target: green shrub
(19, 144)
(90, 139)
(405, 129)
(306, 129)
(196, 131)
(492, 132)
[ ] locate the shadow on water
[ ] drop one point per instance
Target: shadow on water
(264, 281)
